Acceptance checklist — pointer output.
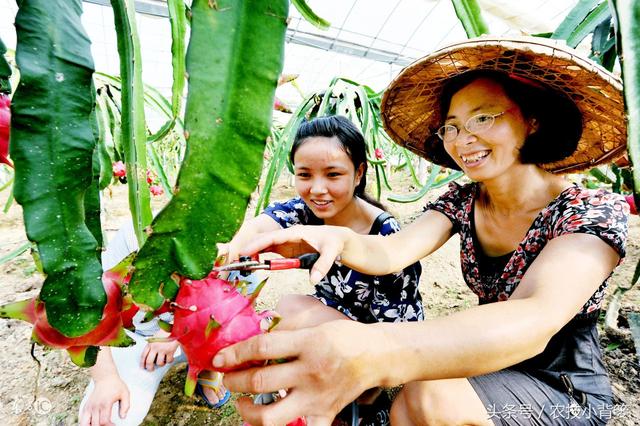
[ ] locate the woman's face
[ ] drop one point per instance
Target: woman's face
(325, 176)
(489, 153)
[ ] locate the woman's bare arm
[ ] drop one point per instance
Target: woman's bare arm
(371, 254)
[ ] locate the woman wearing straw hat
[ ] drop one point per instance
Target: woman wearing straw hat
(514, 115)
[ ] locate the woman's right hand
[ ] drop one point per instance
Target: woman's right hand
(328, 366)
(329, 241)
(106, 392)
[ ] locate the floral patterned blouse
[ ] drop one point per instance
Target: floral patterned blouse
(361, 297)
(574, 210)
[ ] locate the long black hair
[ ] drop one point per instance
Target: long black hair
(350, 138)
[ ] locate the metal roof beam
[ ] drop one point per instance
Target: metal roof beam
(318, 41)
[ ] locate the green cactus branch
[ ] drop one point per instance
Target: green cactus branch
(134, 136)
(628, 18)
(232, 79)
(470, 16)
(52, 145)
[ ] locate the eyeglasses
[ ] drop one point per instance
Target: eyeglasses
(477, 124)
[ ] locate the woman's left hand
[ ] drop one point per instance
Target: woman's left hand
(329, 366)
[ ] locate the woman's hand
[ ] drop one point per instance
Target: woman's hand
(329, 241)
(107, 391)
(329, 366)
(246, 233)
(158, 353)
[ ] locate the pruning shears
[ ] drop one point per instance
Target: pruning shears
(252, 263)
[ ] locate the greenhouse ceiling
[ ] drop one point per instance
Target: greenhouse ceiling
(368, 41)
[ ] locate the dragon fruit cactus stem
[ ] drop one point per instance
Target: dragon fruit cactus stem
(83, 350)
(211, 314)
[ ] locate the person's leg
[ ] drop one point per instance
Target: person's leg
(142, 384)
(439, 402)
(299, 311)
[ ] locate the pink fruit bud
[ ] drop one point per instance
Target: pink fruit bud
(156, 190)
(379, 154)
(278, 105)
(119, 169)
(285, 78)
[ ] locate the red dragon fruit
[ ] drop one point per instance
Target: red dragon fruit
(5, 128)
(83, 349)
(209, 315)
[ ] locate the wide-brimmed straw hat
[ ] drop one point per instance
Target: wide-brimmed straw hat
(411, 103)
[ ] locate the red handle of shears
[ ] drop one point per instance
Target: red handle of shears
(306, 261)
(279, 264)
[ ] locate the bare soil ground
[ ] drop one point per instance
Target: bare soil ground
(50, 395)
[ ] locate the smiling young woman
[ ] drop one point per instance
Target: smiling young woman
(330, 163)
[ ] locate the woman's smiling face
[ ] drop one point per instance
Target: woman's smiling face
(325, 176)
(490, 153)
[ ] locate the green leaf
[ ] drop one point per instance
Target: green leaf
(134, 137)
(92, 196)
(470, 16)
(162, 132)
(427, 186)
(601, 37)
(105, 142)
(281, 152)
(17, 252)
(586, 27)
(178, 20)
(628, 18)
(574, 18)
(232, 81)
(308, 14)
(5, 70)
(600, 175)
(157, 165)
(154, 99)
(52, 146)
(408, 162)
(114, 120)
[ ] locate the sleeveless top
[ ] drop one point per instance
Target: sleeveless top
(361, 297)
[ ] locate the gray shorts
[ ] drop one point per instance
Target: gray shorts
(514, 397)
